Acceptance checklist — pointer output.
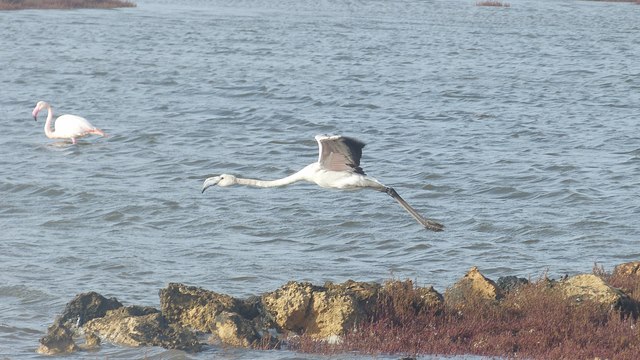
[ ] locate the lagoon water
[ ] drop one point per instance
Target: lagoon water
(518, 128)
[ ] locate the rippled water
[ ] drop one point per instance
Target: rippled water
(516, 127)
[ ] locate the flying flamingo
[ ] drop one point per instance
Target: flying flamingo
(338, 166)
(67, 126)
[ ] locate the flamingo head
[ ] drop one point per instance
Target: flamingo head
(39, 106)
(220, 180)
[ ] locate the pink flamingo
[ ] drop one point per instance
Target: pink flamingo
(67, 126)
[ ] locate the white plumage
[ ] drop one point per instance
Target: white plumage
(66, 126)
(338, 166)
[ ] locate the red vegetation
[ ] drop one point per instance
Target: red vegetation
(533, 322)
(63, 4)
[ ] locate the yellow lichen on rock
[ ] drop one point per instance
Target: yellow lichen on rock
(318, 311)
(331, 314)
(289, 305)
(627, 269)
(591, 287)
(471, 287)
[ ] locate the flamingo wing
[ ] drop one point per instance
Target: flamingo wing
(70, 126)
(340, 153)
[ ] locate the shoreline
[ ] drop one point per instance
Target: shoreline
(584, 316)
(64, 4)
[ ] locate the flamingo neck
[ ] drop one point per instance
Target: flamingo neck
(270, 183)
(48, 128)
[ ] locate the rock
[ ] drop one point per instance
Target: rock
(473, 286)
(59, 340)
(319, 311)
(251, 308)
(235, 330)
(91, 342)
(510, 283)
(332, 313)
(429, 297)
(366, 295)
(141, 326)
(85, 307)
(195, 307)
(627, 269)
(231, 321)
(289, 305)
(591, 287)
(322, 312)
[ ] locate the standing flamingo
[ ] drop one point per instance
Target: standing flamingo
(338, 166)
(67, 126)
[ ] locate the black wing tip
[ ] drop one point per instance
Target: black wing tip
(343, 138)
(353, 142)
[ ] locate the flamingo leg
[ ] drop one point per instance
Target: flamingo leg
(427, 223)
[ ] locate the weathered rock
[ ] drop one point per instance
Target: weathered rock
(627, 269)
(510, 283)
(251, 308)
(332, 313)
(362, 291)
(429, 297)
(235, 330)
(289, 305)
(591, 287)
(365, 293)
(85, 307)
(141, 326)
(91, 342)
(472, 287)
(231, 321)
(318, 311)
(59, 340)
(195, 307)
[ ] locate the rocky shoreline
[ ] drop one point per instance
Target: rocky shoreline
(300, 313)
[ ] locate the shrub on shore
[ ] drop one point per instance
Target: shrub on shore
(63, 4)
(533, 321)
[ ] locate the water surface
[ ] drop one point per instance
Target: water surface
(516, 127)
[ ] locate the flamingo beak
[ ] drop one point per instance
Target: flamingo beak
(35, 115)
